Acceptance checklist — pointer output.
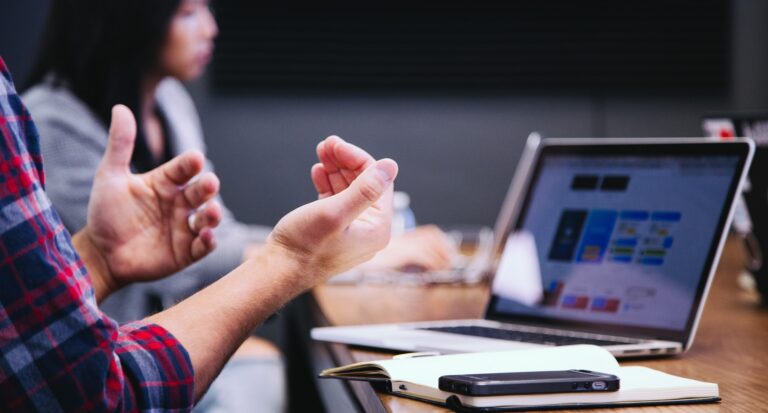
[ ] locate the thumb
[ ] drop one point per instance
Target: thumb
(367, 190)
(122, 136)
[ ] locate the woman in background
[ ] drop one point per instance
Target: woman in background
(97, 53)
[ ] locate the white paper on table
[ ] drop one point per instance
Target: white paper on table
(518, 276)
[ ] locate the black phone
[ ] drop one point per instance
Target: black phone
(529, 382)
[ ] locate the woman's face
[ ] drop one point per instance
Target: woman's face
(189, 44)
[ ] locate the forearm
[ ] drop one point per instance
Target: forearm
(214, 322)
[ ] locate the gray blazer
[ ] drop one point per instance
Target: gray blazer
(73, 141)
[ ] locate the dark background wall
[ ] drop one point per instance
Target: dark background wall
(457, 149)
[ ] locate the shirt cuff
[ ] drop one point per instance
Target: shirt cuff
(158, 367)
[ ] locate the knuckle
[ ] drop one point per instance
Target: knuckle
(370, 191)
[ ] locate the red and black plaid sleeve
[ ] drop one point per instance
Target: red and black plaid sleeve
(59, 352)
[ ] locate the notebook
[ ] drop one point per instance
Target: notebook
(611, 242)
(417, 378)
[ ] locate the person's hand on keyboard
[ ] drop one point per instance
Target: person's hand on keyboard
(425, 248)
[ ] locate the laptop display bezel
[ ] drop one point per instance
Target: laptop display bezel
(633, 147)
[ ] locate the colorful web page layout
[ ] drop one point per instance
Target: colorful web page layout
(623, 240)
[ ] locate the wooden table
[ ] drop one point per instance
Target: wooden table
(731, 346)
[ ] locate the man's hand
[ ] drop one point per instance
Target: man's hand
(144, 227)
(349, 223)
(425, 248)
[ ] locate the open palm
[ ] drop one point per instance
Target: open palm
(140, 223)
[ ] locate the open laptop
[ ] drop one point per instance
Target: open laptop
(625, 235)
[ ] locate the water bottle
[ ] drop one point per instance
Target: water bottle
(403, 218)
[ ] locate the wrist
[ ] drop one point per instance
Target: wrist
(294, 266)
(300, 267)
(96, 264)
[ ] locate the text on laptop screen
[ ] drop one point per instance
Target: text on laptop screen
(621, 239)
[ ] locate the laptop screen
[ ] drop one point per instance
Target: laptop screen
(625, 235)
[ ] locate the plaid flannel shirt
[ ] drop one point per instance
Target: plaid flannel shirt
(59, 352)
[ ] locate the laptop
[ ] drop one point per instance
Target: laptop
(616, 240)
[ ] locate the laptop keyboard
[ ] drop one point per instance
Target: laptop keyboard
(526, 337)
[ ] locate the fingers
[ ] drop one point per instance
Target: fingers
(434, 259)
(352, 157)
(208, 216)
(367, 190)
(122, 135)
(203, 244)
(181, 169)
(321, 181)
(426, 248)
(342, 161)
(437, 242)
(325, 153)
(202, 223)
(202, 190)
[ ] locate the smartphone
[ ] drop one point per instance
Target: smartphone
(530, 382)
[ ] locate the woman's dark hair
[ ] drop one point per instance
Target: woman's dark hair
(102, 50)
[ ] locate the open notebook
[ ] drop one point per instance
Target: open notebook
(418, 378)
